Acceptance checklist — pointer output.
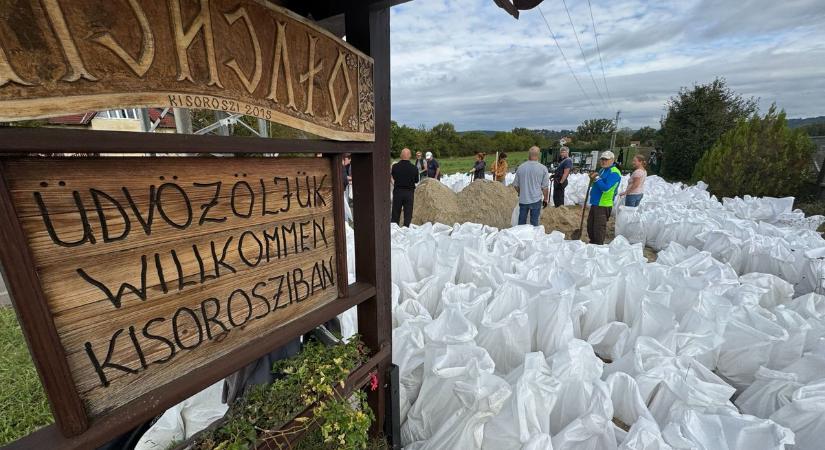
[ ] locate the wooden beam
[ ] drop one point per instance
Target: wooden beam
(369, 31)
(42, 140)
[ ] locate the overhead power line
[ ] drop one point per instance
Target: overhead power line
(581, 49)
(569, 67)
(599, 50)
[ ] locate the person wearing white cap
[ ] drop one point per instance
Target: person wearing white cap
(602, 194)
(433, 169)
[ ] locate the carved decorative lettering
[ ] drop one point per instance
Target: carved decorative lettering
(252, 84)
(7, 73)
(339, 110)
(147, 47)
(76, 68)
(184, 38)
(235, 56)
(282, 53)
(312, 70)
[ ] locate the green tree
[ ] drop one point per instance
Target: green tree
(443, 140)
(475, 141)
(695, 120)
(760, 157)
(403, 136)
(645, 135)
(814, 129)
(595, 129)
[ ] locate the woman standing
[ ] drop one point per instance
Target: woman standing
(478, 168)
(500, 168)
(636, 188)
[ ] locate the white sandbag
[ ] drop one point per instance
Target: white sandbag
(610, 341)
(481, 398)
(629, 223)
(468, 298)
(770, 391)
(183, 420)
(749, 341)
(786, 352)
(421, 254)
(410, 310)
(554, 323)
(778, 291)
(578, 369)
(401, 267)
(427, 292)
(730, 431)
(444, 367)
(654, 320)
(812, 308)
(349, 323)
(701, 329)
(644, 435)
(628, 404)
(805, 416)
(526, 413)
(450, 328)
(592, 429)
(505, 332)
(600, 299)
(408, 355)
(684, 390)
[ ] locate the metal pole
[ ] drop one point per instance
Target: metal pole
(145, 123)
(183, 121)
(263, 128)
(615, 129)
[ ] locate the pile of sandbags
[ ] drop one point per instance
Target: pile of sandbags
(752, 235)
(517, 339)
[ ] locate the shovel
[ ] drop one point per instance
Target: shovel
(577, 233)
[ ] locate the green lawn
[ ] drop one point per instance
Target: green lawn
(465, 163)
(23, 400)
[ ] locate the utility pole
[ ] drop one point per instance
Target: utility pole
(615, 129)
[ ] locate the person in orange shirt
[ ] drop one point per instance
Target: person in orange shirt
(500, 167)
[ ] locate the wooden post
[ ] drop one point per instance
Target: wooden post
(369, 31)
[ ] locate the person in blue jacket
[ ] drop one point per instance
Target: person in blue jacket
(602, 195)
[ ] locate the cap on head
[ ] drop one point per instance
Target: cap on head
(429, 155)
(607, 155)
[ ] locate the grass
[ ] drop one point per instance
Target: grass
(465, 163)
(23, 400)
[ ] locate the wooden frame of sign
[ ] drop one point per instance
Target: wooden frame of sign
(140, 281)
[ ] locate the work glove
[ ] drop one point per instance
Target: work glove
(544, 204)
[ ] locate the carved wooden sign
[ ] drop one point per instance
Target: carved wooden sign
(153, 269)
(240, 56)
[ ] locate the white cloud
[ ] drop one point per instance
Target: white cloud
(468, 62)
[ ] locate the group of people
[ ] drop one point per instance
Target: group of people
(532, 182)
(500, 168)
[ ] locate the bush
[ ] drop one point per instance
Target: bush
(695, 120)
(759, 157)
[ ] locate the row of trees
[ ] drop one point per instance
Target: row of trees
(444, 141)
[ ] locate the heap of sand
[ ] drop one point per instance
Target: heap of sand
(490, 203)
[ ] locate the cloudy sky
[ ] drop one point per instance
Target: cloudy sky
(470, 63)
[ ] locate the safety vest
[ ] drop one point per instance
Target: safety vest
(609, 195)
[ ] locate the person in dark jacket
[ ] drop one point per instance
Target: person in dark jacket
(404, 177)
(479, 167)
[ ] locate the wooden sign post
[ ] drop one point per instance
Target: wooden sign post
(140, 281)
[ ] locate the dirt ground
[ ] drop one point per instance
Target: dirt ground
(492, 203)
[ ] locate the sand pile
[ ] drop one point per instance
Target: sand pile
(488, 202)
(434, 202)
(482, 201)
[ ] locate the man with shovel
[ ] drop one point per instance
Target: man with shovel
(602, 193)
